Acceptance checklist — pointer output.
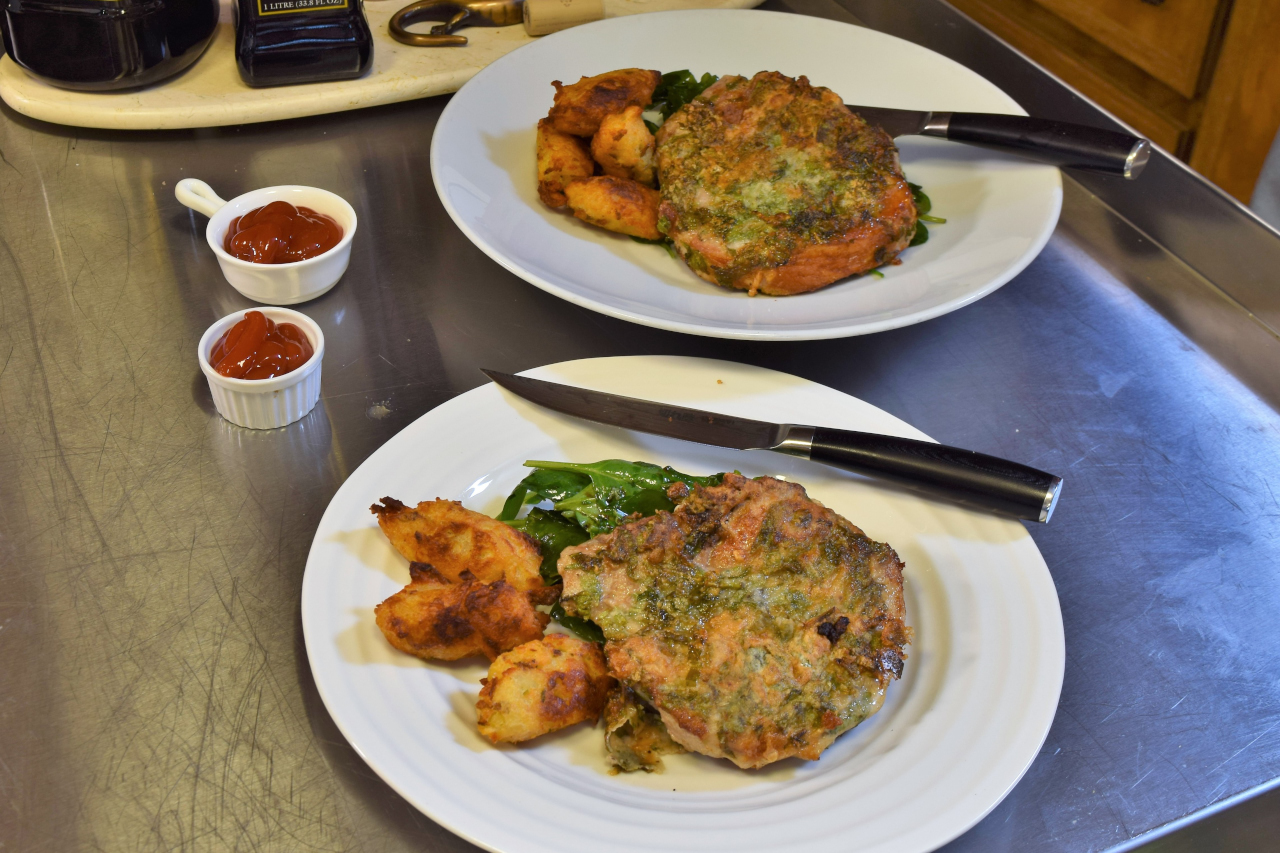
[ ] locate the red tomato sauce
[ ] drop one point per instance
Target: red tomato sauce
(280, 233)
(259, 348)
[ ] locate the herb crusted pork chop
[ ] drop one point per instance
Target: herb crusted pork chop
(771, 185)
(757, 622)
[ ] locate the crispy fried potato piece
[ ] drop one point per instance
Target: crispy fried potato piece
(634, 734)
(437, 620)
(580, 107)
(616, 204)
(561, 158)
(453, 539)
(624, 147)
(542, 686)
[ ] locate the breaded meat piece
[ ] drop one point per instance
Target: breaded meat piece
(434, 619)
(772, 186)
(634, 734)
(453, 539)
(561, 158)
(757, 622)
(542, 686)
(616, 204)
(579, 108)
(624, 147)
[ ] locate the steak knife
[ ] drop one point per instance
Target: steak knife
(1058, 142)
(974, 479)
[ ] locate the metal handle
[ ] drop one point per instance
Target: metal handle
(456, 14)
(964, 476)
(1061, 143)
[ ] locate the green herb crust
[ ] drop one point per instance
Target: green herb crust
(587, 500)
(754, 171)
(758, 622)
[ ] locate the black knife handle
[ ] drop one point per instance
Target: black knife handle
(1061, 143)
(975, 479)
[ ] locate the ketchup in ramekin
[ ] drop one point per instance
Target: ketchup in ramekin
(259, 348)
(279, 233)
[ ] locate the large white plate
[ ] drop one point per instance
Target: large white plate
(1000, 209)
(974, 705)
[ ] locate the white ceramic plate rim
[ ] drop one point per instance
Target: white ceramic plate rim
(526, 786)
(834, 328)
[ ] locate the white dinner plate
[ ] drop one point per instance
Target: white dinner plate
(975, 702)
(1000, 209)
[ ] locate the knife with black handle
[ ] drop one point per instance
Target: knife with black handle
(964, 476)
(1058, 142)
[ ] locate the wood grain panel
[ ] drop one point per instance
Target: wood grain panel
(1136, 98)
(1168, 40)
(1243, 105)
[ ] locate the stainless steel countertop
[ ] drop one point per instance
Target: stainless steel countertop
(154, 689)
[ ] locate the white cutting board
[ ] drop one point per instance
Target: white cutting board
(211, 93)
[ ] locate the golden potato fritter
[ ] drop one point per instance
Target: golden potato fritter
(542, 686)
(453, 539)
(434, 619)
(757, 622)
(624, 147)
(771, 185)
(616, 204)
(561, 158)
(579, 108)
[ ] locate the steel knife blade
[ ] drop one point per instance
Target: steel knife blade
(1058, 142)
(895, 122)
(965, 476)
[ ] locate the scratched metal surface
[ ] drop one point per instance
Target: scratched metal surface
(154, 691)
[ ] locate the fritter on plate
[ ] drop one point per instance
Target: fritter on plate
(453, 540)
(624, 147)
(771, 185)
(615, 204)
(580, 107)
(757, 622)
(434, 619)
(562, 158)
(542, 686)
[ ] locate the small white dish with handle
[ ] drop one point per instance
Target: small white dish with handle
(273, 284)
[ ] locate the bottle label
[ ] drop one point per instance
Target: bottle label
(285, 7)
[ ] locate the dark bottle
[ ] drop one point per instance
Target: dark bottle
(280, 42)
(106, 44)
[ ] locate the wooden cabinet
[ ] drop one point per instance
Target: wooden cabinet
(1200, 78)
(1169, 39)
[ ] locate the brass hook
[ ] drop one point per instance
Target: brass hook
(456, 14)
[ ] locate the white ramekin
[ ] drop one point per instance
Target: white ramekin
(265, 403)
(273, 284)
